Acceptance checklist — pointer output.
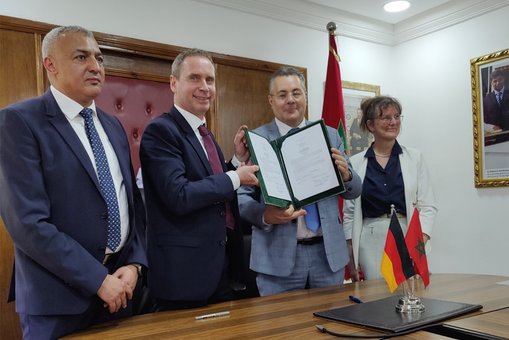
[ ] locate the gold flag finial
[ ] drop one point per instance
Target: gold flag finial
(331, 27)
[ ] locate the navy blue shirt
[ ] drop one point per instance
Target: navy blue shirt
(383, 187)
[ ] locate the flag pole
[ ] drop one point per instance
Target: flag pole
(408, 303)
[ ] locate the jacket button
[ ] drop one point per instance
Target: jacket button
(222, 243)
(222, 213)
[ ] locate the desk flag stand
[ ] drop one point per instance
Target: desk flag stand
(403, 259)
(409, 303)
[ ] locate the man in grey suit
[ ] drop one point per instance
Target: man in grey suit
(285, 252)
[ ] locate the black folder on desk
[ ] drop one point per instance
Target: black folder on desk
(381, 314)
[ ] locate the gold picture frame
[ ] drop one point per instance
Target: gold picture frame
(490, 119)
(353, 94)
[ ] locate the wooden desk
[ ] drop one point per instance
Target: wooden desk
(493, 325)
(290, 315)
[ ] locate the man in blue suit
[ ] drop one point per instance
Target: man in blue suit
(192, 214)
(496, 103)
(74, 264)
(286, 252)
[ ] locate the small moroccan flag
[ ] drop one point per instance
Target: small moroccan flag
(415, 244)
(396, 264)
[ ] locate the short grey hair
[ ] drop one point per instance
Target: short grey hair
(53, 35)
(176, 66)
(287, 71)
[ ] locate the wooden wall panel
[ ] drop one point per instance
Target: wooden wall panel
(241, 99)
(9, 323)
(20, 66)
(20, 73)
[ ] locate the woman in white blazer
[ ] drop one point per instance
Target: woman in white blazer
(392, 175)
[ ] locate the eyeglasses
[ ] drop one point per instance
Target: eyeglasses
(296, 94)
(387, 119)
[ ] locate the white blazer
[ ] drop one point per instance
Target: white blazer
(418, 193)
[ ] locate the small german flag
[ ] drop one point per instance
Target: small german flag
(396, 264)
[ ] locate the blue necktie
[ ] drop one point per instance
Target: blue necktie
(105, 180)
(312, 216)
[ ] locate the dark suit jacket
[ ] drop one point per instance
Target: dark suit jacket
(186, 225)
(494, 113)
(53, 209)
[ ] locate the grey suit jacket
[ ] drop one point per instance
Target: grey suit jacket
(273, 248)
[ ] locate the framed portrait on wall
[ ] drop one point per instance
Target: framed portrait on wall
(490, 108)
(353, 94)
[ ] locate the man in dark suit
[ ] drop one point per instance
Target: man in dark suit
(68, 196)
(191, 194)
(496, 103)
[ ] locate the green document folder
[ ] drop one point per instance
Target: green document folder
(297, 168)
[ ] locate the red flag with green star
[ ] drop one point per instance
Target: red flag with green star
(333, 112)
(415, 244)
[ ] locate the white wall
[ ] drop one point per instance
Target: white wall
(430, 75)
(433, 81)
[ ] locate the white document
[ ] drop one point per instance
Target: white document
(308, 163)
(272, 174)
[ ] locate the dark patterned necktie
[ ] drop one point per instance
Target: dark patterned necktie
(217, 168)
(499, 98)
(105, 180)
(312, 216)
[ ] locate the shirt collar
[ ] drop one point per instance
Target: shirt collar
(284, 128)
(396, 150)
(69, 107)
(190, 118)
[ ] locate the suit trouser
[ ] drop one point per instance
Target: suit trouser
(223, 292)
(372, 244)
(311, 270)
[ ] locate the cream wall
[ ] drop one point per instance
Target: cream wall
(430, 75)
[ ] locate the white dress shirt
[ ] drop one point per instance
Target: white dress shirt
(71, 110)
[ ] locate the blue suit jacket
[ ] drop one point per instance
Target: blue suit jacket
(494, 113)
(186, 225)
(53, 209)
(273, 249)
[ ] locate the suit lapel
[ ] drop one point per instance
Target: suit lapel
(118, 146)
(273, 131)
(57, 118)
(190, 136)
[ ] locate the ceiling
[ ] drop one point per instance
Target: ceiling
(366, 19)
(373, 9)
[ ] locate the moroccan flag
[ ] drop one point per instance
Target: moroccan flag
(396, 264)
(333, 112)
(415, 244)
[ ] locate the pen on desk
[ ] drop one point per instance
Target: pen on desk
(354, 299)
(212, 315)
